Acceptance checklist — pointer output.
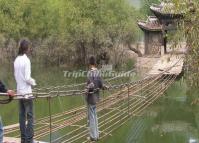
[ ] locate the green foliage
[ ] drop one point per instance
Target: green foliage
(145, 9)
(69, 30)
(129, 64)
(189, 29)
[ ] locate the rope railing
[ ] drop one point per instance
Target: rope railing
(112, 96)
(75, 111)
(80, 84)
(52, 89)
(134, 113)
(114, 117)
(107, 119)
(128, 99)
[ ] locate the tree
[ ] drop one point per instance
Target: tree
(68, 31)
(189, 29)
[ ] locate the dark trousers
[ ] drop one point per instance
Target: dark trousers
(1, 131)
(26, 113)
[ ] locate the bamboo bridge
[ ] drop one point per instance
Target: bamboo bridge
(118, 104)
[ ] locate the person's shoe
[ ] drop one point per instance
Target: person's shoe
(92, 139)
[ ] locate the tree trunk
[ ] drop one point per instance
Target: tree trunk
(135, 50)
(81, 54)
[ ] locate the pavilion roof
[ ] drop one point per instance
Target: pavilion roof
(165, 10)
(151, 24)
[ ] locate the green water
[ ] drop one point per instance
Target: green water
(170, 120)
(45, 77)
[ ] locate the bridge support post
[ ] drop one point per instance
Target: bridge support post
(50, 117)
(128, 101)
(141, 88)
(103, 105)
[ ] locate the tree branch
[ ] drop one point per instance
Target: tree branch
(134, 50)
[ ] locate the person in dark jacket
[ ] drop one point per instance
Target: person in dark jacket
(94, 84)
(9, 93)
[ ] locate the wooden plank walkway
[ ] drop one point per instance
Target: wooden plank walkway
(167, 61)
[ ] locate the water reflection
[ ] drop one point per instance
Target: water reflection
(192, 140)
(171, 120)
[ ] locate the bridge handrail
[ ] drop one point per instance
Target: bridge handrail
(56, 93)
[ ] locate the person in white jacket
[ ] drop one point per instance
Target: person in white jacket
(22, 72)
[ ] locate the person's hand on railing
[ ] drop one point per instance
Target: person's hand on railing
(11, 93)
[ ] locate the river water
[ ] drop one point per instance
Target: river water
(171, 119)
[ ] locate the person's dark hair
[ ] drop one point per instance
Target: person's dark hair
(23, 46)
(92, 61)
